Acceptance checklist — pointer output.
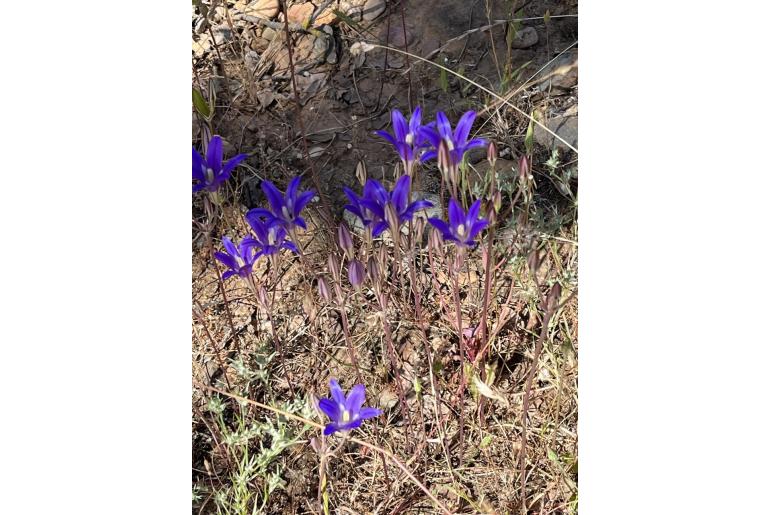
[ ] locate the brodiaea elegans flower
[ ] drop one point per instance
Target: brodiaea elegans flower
(346, 414)
(210, 172)
(462, 228)
(398, 198)
(239, 260)
(407, 137)
(270, 235)
(285, 208)
(457, 141)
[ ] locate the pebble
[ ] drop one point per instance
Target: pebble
(372, 9)
(525, 38)
(565, 126)
(265, 9)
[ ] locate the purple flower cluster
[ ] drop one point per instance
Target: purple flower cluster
(270, 228)
(371, 207)
(413, 140)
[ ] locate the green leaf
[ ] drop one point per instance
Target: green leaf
(552, 456)
(200, 104)
(347, 19)
(443, 80)
(547, 16)
(486, 441)
(529, 138)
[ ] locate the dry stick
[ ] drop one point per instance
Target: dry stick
(363, 443)
(458, 262)
(394, 366)
(406, 49)
(199, 316)
(349, 341)
(551, 304)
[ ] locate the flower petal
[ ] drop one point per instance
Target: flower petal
(384, 134)
(274, 197)
(443, 126)
(379, 229)
(414, 207)
(355, 399)
(473, 213)
(414, 121)
(400, 193)
(330, 408)
(228, 274)
(337, 394)
(456, 213)
(369, 413)
(226, 260)
(427, 156)
(477, 227)
(302, 200)
(351, 425)
(232, 163)
(291, 190)
(214, 154)
(229, 247)
(197, 166)
(463, 127)
(399, 125)
(330, 428)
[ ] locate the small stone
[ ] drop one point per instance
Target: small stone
(299, 13)
(525, 38)
(327, 17)
(565, 126)
(373, 8)
(265, 9)
(222, 34)
(561, 74)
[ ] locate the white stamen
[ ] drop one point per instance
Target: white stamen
(285, 212)
(209, 173)
(345, 416)
(449, 144)
(461, 230)
(409, 138)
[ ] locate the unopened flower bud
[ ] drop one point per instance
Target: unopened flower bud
(524, 169)
(492, 153)
(361, 172)
(323, 289)
(434, 240)
(491, 213)
(444, 158)
(344, 239)
(334, 267)
(374, 270)
(497, 201)
(356, 273)
(553, 297)
(391, 217)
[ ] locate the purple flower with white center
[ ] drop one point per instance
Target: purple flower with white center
(285, 208)
(457, 142)
(270, 235)
(372, 190)
(462, 228)
(346, 414)
(211, 172)
(407, 137)
(398, 198)
(240, 260)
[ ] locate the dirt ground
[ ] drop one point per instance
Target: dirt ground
(347, 91)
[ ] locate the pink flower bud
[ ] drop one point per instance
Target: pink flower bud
(323, 289)
(344, 239)
(492, 153)
(356, 273)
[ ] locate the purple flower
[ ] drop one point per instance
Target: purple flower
(372, 190)
(398, 198)
(270, 235)
(346, 414)
(210, 172)
(462, 228)
(457, 142)
(406, 138)
(285, 208)
(239, 260)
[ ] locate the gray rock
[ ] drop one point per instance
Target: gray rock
(525, 38)
(373, 8)
(562, 74)
(565, 126)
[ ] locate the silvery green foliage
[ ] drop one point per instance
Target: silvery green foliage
(254, 447)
